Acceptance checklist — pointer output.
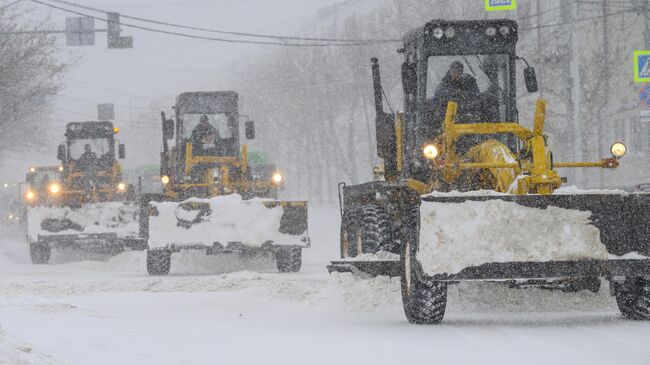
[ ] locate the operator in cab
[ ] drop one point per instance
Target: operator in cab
(204, 135)
(459, 87)
(88, 160)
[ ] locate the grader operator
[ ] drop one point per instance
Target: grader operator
(469, 194)
(209, 200)
(86, 205)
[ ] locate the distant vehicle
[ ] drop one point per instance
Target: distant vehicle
(84, 203)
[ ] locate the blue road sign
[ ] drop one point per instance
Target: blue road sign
(642, 66)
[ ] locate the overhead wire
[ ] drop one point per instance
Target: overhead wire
(194, 36)
(219, 31)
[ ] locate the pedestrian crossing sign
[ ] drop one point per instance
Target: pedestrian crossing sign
(494, 5)
(642, 66)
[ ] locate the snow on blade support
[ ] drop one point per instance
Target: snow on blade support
(101, 226)
(226, 222)
(482, 237)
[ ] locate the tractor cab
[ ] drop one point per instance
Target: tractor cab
(470, 63)
(206, 158)
(89, 159)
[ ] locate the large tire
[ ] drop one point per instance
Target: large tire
(424, 300)
(158, 262)
(633, 298)
(365, 229)
(40, 252)
(289, 259)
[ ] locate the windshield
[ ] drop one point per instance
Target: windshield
(480, 84)
(98, 146)
(42, 176)
(219, 121)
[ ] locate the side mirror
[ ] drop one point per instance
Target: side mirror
(168, 129)
(60, 153)
(121, 151)
(531, 79)
(249, 127)
(409, 78)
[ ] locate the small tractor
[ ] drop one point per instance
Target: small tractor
(209, 202)
(266, 179)
(469, 194)
(84, 204)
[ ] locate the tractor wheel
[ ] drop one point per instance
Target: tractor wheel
(40, 252)
(633, 298)
(424, 300)
(158, 262)
(370, 231)
(289, 259)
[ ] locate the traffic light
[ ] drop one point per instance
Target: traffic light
(113, 33)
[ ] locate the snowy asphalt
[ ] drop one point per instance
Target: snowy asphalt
(112, 312)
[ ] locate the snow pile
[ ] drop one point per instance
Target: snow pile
(109, 217)
(377, 256)
(456, 236)
(229, 219)
(574, 190)
(15, 352)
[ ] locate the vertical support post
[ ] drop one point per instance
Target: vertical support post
(540, 116)
(399, 144)
(188, 158)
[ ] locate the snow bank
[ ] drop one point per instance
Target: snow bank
(230, 219)
(377, 256)
(456, 236)
(108, 217)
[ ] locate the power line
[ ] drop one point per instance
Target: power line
(10, 5)
(218, 31)
(578, 21)
(193, 36)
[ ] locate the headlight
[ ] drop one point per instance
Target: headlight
(504, 30)
(6, 185)
(618, 149)
(450, 32)
(32, 169)
(61, 168)
(121, 186)
(430, 151)
(277, 178)
(54, 188)
(490, 31)
(165, 179)
(438, 33)
(30, 195)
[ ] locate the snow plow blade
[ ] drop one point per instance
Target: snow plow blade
(498, 237)
(223, 224)
(97, 226)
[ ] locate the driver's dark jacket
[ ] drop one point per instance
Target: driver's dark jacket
(202, 130)
(463, 91)
(87, 161)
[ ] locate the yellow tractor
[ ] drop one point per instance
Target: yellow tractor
(210, 201)
(84, 203)
(469, 194)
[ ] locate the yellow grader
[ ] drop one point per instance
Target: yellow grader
(210, 201)
(469, 194)
(84, 203)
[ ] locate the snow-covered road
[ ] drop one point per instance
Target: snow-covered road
(111, 312)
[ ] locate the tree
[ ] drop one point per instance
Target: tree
(30, 76)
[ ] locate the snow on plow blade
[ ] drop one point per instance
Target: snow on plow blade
(224, 221)
(494, 237)
(95, 224)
